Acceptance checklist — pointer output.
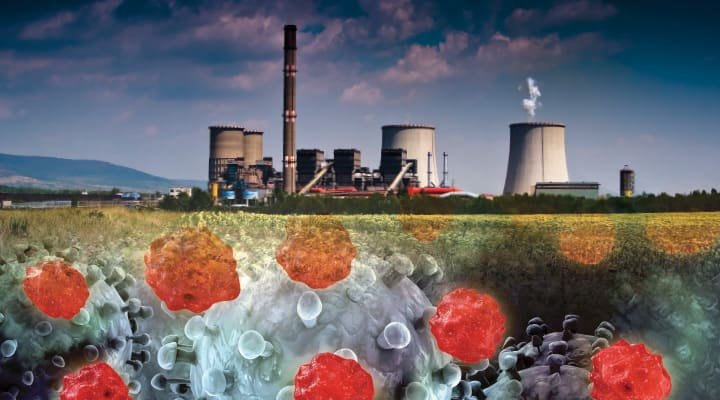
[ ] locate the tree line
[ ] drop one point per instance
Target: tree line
(515, 204)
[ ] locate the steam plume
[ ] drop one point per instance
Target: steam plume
(532, 103)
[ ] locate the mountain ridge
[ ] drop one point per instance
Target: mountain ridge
(63, 173)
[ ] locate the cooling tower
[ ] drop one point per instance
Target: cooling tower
(418, 141)
(253, 147)
(537, 154)
(226, 144)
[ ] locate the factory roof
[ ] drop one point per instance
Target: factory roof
(253, 132)
(425, 126)
(538, 123)
(559, 185)
(228, 127)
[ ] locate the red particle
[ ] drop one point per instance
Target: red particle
(331, 377)
(191, 269)
(317, 251)
(93, 382)
(468, 325)
(56, 288)
(627, 371)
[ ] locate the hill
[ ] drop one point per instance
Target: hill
(62, 173)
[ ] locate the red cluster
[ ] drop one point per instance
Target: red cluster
(331, 377)
(627, 371)
(56, 288)
(192, 269)
(96, 381)
(317, 251)
(468, 325)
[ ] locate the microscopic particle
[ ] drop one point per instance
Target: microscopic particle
(317, 251)
(94, 382)
(468, 325)
(56, 288)
(627, 371)
(191, 269)
(331, 377)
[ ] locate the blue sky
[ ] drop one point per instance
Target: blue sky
(137, 82)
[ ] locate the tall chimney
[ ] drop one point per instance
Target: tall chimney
(289, 113)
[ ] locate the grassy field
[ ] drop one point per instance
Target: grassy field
(656, 276)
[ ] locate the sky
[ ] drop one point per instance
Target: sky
(137, 82)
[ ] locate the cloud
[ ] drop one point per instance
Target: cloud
(398, 19)
(422, 64)
(328, 38)
(528, 19)
(151, 130)
(48, 27)
(522, 53)
(256, 75)
(455, 42)
(6, 111)
(257, 31)
(361, 93)
(526, 53)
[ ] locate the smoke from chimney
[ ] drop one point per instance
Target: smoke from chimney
(532, 103)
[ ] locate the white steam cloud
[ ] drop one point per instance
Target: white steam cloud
(532, 103)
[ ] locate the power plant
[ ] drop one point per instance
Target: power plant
(537, 154)
(237, 167)
(419, 143)
(227, 144)
(408, 158)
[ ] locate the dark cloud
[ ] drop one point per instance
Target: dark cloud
(563, 13)
(143, 10)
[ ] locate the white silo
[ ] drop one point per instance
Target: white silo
(537, 154)
(418, 141)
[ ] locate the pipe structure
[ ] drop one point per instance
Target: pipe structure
(398, 178)
(289, 113)
(316, 178)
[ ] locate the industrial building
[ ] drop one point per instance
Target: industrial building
(237, 169)
(309, 163)
(627, 182)
(537, 154)
(227, 144)
(589, 190)
(253, 147)
(418, 141)
(345, 164)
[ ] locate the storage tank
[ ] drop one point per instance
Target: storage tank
(418, 141)
(627, 182)
(253, 147)
(537, 154)
(227, 143)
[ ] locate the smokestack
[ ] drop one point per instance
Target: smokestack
(445, 170)
(289, 113)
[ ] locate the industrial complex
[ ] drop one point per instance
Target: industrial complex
(239, 172)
